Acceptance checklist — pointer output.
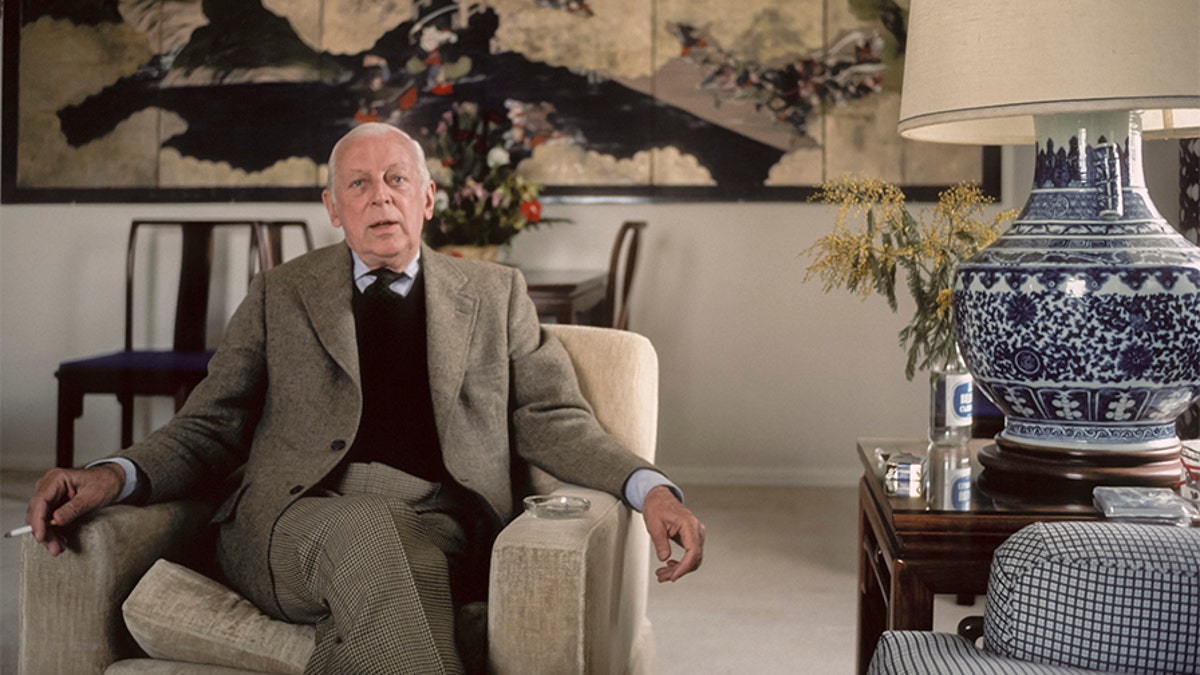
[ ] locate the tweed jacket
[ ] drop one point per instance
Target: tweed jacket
(283, 399)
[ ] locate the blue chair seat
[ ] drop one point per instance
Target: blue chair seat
(148, 372)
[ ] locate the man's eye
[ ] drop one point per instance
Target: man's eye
(397, 179)
(357, 182)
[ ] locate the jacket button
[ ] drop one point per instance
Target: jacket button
(338, 445)
(296, 490)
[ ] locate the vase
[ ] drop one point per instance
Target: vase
(1082, 321)
(486, 253)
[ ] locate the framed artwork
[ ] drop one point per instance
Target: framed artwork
(219, 100)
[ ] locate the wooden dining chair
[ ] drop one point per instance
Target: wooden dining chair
(149, 372)
(621, 267)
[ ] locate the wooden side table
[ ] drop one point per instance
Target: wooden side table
(566, 296)
(909, 552)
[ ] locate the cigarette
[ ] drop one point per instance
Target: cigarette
(24, 529)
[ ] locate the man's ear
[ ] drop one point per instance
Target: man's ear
(430, 199)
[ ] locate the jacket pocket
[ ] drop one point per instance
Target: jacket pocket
(228, 508)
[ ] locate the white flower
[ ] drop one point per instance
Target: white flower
(441, 201)
(497, 157)
(440, 173)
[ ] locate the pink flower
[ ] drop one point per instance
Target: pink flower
(473, 190)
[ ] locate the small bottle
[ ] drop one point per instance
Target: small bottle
(951, 392)
(947, 471)
(947, 475)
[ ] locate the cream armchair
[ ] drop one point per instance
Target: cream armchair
(566, 596)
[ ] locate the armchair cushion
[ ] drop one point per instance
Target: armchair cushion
(156, 667)
(177, 614)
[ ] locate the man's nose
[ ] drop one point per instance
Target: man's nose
(380, 194)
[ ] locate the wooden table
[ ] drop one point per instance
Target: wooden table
(567, 296)
(908, 552)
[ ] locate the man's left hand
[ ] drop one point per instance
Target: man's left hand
(668, 520)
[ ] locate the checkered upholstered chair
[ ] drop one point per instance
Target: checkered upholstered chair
(566, 596)
(1074, 597)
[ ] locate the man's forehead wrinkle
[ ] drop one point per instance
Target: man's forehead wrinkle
(391, 168)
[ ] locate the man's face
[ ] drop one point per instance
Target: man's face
(379, 199)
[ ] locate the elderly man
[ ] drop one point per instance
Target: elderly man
(377, 395)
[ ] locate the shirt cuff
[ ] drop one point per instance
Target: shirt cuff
(130, 475)
(642, 481)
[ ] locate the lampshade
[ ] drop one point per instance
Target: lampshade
(977, 72)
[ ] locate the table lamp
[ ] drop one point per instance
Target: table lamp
(1082, 321)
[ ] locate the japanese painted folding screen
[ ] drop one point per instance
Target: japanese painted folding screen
(230, 99)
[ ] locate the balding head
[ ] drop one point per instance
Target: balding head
(374, 129)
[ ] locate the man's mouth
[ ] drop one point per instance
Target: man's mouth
(384, 223)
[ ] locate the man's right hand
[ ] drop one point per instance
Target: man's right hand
(62, 496)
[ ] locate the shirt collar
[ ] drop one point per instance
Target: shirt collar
(364, 278)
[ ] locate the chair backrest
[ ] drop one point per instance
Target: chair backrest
(621, 266)
(266, 246)
(618, 375)
(195, 270)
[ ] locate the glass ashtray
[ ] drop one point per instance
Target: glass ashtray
(557, 506)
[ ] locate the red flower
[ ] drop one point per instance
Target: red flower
(408, 99)
(532, 210)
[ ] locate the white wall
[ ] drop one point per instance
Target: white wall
(764, 379)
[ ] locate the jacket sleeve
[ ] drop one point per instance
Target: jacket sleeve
(554, 428)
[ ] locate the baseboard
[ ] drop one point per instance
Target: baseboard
(756, 476)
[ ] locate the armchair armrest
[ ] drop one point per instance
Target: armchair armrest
(70, 606)
(568, 596)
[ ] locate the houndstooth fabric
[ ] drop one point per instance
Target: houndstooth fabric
(1108, 596)
(368, 565)
(926, 653)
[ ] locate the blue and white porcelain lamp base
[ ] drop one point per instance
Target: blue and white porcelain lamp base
(1082, 321)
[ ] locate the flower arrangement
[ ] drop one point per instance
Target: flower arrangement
(866, 259)
(481, 199)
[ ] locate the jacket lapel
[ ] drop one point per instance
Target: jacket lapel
(451, 311)
(450, 314)
(326, 294)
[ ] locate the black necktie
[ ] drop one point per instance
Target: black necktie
(381, 287)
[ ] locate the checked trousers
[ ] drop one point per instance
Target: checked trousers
(370, 564)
